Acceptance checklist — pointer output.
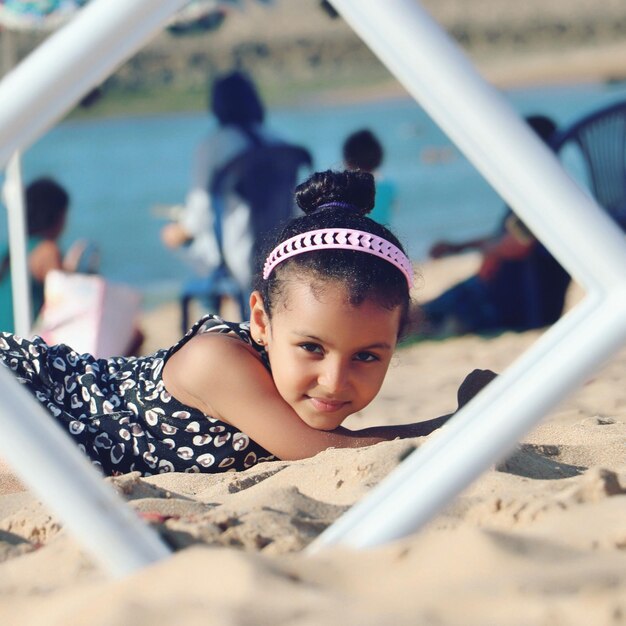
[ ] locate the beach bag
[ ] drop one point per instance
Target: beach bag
(88, 313)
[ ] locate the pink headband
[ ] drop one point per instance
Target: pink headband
(339, 239)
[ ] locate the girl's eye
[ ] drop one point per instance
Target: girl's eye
(311, 347)
(365, 357)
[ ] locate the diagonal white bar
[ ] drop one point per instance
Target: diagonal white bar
(49, 82)
(49, 462)
(558, 211)
(32, 97)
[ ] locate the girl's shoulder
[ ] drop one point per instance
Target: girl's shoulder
(214, 353)
(213, 359)
(235, 333)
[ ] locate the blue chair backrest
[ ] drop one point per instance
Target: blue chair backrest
(600, 138)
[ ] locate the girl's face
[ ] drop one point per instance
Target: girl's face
(328, 358)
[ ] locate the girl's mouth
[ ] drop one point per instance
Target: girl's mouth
(323, 405)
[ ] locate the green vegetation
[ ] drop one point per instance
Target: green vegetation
(150, 100)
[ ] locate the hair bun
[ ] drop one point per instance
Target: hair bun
(347, 191)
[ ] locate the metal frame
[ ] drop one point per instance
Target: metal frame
(49, 462)
(73, 60)
(492, 136)
(579, 234)
(13, 196)
(49, 82)
(33, 96)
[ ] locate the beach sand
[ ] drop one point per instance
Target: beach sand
(540, 538)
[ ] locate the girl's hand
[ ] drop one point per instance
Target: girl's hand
(472, 384)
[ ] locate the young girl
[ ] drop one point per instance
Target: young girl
(327, 311)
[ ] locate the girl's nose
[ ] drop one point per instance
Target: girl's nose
(333, 377)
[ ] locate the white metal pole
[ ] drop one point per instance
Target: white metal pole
(32, 97)
(48, 462)
(45, 85)
(483, 125)
(484, 432)
(13, 197)
(580, 235)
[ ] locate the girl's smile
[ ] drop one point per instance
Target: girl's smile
(326, 405)
(328, 357)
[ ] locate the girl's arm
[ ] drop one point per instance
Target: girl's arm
(396, 431)
(224, 378)
(471, 385)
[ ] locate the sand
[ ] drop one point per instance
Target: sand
(540, 538)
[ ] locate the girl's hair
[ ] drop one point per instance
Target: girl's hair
(364, 276)
(235, 100)
(46, 205)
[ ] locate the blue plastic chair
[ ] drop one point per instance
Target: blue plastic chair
(599, 138)
(265, 177)
(598, 142)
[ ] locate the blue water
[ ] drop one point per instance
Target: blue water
(117, 169)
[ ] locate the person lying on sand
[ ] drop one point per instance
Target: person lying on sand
(329, 306)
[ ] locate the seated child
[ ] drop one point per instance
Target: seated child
(363, 151)
(47, 204)
(326, 314)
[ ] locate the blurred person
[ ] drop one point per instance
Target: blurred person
(519, 284)
(491, 243)
(363, 151)
(214, 237)
(47, 203)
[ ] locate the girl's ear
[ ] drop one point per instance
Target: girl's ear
(259, 320)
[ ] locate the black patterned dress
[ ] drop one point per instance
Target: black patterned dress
(119, 412)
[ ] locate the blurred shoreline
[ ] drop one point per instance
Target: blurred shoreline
(298, 55)
(529, 70)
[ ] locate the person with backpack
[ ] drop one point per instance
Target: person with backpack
(218, 226)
